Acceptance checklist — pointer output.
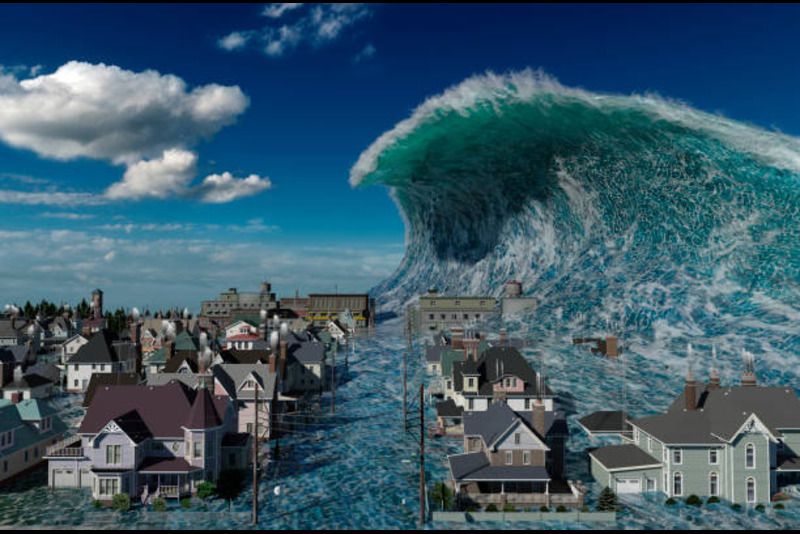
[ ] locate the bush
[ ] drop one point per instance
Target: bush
(442, 496)
(186, 503)
(584, 508)
(670, 501)
(491, 508)
(778, 506)
(607, 501)
(159, 504)
(736, 507)
(759, 507)
(561, 508)
(205, 490)
(544, 509)
(509, 508)
(121, 502)
(712, 500)
(97, 504)
(694, 500)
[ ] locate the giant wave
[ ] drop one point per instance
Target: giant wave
(628, 213)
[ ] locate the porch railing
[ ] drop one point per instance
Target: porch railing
(66, 448)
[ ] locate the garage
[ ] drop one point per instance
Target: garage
(629, 485)
(63, 478)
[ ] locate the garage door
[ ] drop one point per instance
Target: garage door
(629, 485)
(63, 478)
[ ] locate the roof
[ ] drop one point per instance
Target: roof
(134, 427)
(29, 381)
(491, 423)
(203, 413)
(721, 412)
(245, 356)
(494, 364)
(99, 349)
(166, 465)
(158, 356)
(34, 409)
(231, 376)
(449, 408)
(433, 354)
(308, 352)
(605, 421)
(475, 466)
(623, 457)
(107, 379)
(184, 341)
(20, 416)
(448, 358)
(161, 379)
(175, 363)
(164, 409)
(16, 353)
(10, 329)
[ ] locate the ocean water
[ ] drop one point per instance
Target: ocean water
(358, 469)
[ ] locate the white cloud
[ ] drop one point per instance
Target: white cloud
(234, 41)
(66, 215)
(50, 198)
(366, 53)
(277, 10)
(218, 188)
(108, 113)
(110, 256)
(163, 177)
(314, 25)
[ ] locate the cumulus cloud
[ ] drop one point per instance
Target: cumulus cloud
(66, 215)
(293, 25)
(146, 121)
(108, 113)
(219, 188)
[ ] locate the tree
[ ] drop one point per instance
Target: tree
(607, 501)
(205, 490)
(442, 495)
(159, 504)
(230, 484)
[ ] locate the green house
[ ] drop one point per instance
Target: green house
(739, 443)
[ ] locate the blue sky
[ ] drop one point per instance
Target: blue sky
(289, 97)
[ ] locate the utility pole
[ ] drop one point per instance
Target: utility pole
(421, 455)
(255, 459)
(333, 384)
(405, 391)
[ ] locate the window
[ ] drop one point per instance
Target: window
(677, 484)
(509, 457)
(713, 457)
(471, 382)
(113, 454)
(750, 456)
(75, 382)
(527, 404)
(197, 449)
(470, 404)
(677, 456)
(751, 490)
(109, 486)
(517, 438)
(526, 457)
(713, 484)
(650, 484)
(649, 444)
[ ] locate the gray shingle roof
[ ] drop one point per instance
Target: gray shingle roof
(231, 376)
(308, 352)
(475, 467)
(606, 421)
(449, 408)
(495, 420)
(623, 456)
(99, 349)
(721, 412)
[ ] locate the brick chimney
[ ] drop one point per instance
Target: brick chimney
(749, 371)
(457, 338)
(471, 349)
(537, 417)
(283, 346)
(272, 364)
(713, 379)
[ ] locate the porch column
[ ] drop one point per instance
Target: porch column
(547, 493)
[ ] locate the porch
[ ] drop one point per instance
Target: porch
(520, 494)
(170, 478)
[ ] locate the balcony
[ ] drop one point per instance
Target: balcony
(66, 448)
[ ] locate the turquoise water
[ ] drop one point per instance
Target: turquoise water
(358, 469)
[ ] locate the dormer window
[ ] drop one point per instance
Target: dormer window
(471, 382)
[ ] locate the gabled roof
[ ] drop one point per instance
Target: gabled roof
(134, 426)
(15, 353)
(164, 409)
(476, 467)
(721, 412)
(449, 408)
(176, 362)
(245, 356)
(99, 349)
(34, 409)
(493, 422)
(108, 379)
(162, 379)
(605, 422)
(308, 352)
(231, 376)
(184, 341)
(29, 381)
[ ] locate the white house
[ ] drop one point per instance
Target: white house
(99, 355)
(70, 347)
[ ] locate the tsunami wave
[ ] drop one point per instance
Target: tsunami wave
(635, 214)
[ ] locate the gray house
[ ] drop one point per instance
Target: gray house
(738, 443)
(149, 441)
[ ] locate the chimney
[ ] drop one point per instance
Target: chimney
(612, 351)
(690, 392)
(503, 337)
(537, 417)
(272, 363)
(457, 339)
(749, 372)
(471, 349)
(713, 375)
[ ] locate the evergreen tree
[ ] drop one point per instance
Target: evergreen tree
(607, 501)
(442, 496)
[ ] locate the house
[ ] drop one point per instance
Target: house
(12, 330)
(514, 459)
(28, 386)
(738, 443)
(27, 428)
(150, 340)
(499, 373)
(100, 380)
(70, 347)
(100, 355)
(337, 331)
(306, 368)
(155, 361)
(241, 335)
(239, 382)
(149, 441)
